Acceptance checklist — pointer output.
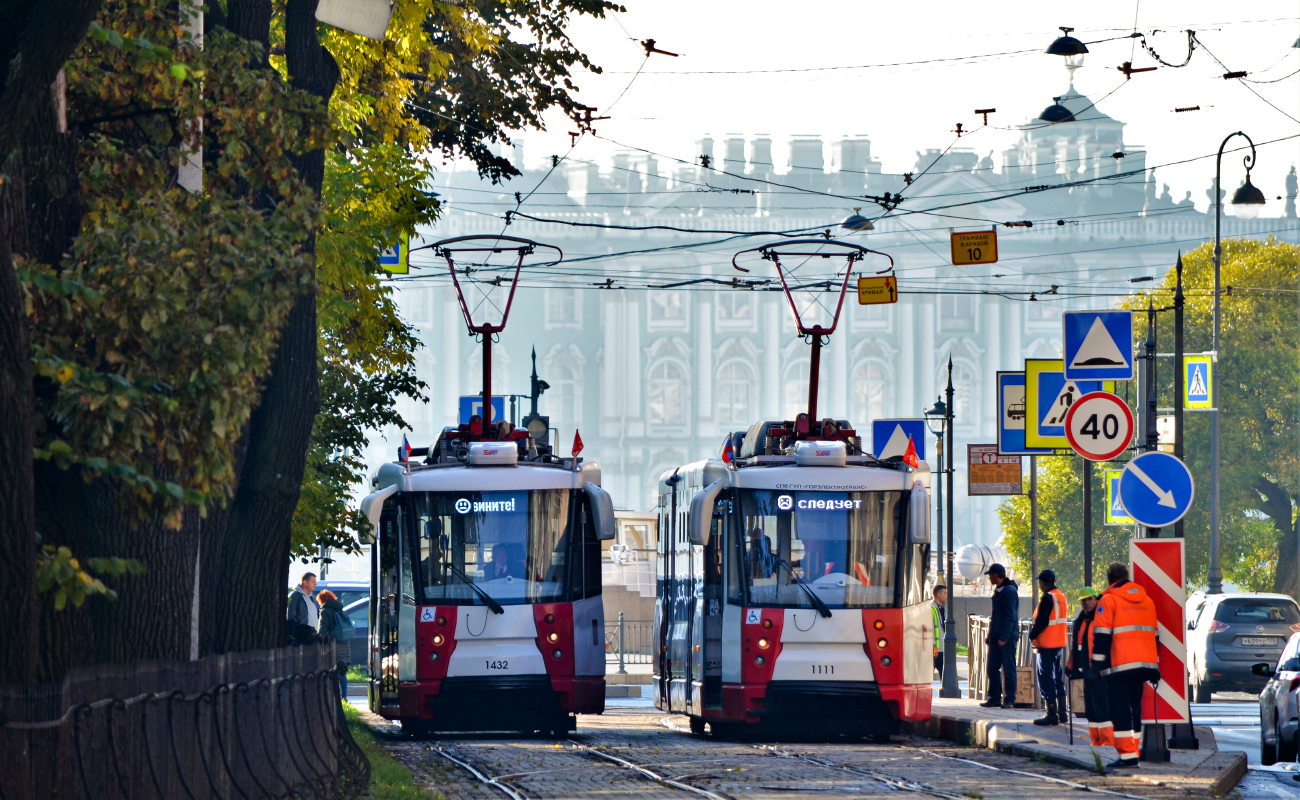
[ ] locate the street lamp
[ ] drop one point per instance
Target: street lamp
(1066, 45)
(939, 420)
(936, 419)
(1246, 203)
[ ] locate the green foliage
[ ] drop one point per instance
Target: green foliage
(389, 780)
(1259, 376)
(155, 332)
(59, 573)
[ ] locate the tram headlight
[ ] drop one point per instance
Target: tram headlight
(433, 656)
(880, 625)
(763, 643)
(886, 661)
(882, 644)
(557, 653)
(767, 624)
(441, 621)
(759, 661)
(438, 640)
(549, 619)
(553, 637)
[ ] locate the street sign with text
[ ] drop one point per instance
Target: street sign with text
(975, 247)
(877, 290)
(989, 472)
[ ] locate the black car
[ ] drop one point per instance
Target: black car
(1278, 703)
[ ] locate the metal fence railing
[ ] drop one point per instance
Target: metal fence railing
(261, 724)
(629, 642)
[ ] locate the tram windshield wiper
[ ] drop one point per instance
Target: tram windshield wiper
(821, 607)
(482, 594)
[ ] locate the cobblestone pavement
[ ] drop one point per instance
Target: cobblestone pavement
(598, 760)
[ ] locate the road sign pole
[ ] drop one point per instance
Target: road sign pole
(1180, 374)
(1087, 522)
(950, 687)
(1033, 523)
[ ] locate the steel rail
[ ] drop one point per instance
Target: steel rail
(504, 788)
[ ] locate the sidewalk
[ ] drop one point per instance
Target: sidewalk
(1012, 731)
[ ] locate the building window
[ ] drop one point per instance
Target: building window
(666, 395)
(963, 388)
(868, 392)
(668, 309)
(957, 312)
(562, 397)
(1041, 313)
(872, 316)
(733, 392)
(795, 389)
(563, 309)
(735, 310)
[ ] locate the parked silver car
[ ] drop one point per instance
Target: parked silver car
(1227, 633)
(1279, 704)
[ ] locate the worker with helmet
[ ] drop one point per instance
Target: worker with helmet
(1095, 707)
(1124, 654)
(1048, 637)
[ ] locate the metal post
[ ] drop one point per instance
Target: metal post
(487, 381)
(1087, 522)
(943, 545)
(950, 685)
(1150, 433)
(622, 666)
(1033, 523)
(1180, 374)
(1215, 576)
(815, 369)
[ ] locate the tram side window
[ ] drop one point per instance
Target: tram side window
(584, 571)
(736, 565)
(916, 564)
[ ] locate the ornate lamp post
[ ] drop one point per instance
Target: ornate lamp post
(939, 420)
(1246, 203)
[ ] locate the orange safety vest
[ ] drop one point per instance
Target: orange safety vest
(1126, 613)
(1054, 635)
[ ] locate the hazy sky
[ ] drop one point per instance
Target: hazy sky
(908, 108)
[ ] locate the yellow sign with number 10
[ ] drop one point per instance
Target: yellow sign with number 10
(975, 247)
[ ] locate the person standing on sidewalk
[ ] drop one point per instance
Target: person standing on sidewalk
(1048, 637)
(335, 627)
(1095, 707)
(1004, 636)
(939, 624)
(304, 611)
(1124, 653)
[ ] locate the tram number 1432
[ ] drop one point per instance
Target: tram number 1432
(496, 664)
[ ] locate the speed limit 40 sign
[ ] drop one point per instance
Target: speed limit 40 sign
(1099, 426)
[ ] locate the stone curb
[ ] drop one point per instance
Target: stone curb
(1218, 774)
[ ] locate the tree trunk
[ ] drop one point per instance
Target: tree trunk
(1277, 504)
(246, 548)
(35, 40)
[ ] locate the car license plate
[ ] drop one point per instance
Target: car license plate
(1258, 641)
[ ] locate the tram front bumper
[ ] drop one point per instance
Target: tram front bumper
(857, 705)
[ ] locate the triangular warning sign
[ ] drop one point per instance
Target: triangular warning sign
(897, 444)
(1098, 349)
(1055, 413)
(1197, 386)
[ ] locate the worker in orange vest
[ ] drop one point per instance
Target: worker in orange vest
(1124, 653)
(1048, 637)
(1095, 707)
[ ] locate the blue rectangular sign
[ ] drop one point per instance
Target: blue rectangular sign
(1098, 345)
(471, 405)
(1056, 395)
(1011, 416)
(889, 437)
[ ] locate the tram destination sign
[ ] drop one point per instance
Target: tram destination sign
(992, 473)
(975, 247)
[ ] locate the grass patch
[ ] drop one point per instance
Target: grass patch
(389, 780)
(973, 795)
(962, 650)
(357, 675)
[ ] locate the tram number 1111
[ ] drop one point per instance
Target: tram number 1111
(823, 669)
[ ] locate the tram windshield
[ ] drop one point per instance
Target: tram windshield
(513, 546)
(840, 546)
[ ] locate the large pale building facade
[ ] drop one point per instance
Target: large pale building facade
(655, 377)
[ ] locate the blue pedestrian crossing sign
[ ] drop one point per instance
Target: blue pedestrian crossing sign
(1115, 513)
(1197, 385)
(889, 437)
(1156, 489)
(395, 260)
(472, 406)
(1098, 345)
(1048, 397)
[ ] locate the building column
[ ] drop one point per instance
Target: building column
(925, 355)
(771, 311)
(906, 404)
(704, 363)
(453, 331)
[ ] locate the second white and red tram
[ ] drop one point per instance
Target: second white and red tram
(793, 586)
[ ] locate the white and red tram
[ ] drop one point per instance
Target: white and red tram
(792, 571)
(485, 605)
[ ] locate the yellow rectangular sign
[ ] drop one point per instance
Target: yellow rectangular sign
(1048, 397)
(975, 247)
(396, 259)
(877, 290)
(1198, 382)
(1115, 513)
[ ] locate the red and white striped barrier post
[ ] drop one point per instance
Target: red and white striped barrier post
(1158, 567)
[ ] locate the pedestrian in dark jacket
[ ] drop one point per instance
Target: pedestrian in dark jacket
(332, 619)
(303, 615)
(1004, 636)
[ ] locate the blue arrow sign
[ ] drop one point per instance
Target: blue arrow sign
(889, 437)
(472, 405)
(1156, 489)
(1098, 345)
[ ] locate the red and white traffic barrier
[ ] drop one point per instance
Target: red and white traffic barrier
(1158, 568)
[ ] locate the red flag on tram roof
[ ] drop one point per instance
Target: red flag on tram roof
(577, 442)
(909, 456)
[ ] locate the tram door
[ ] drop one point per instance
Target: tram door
(668, 534)
(713, 601)
(384, 592)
